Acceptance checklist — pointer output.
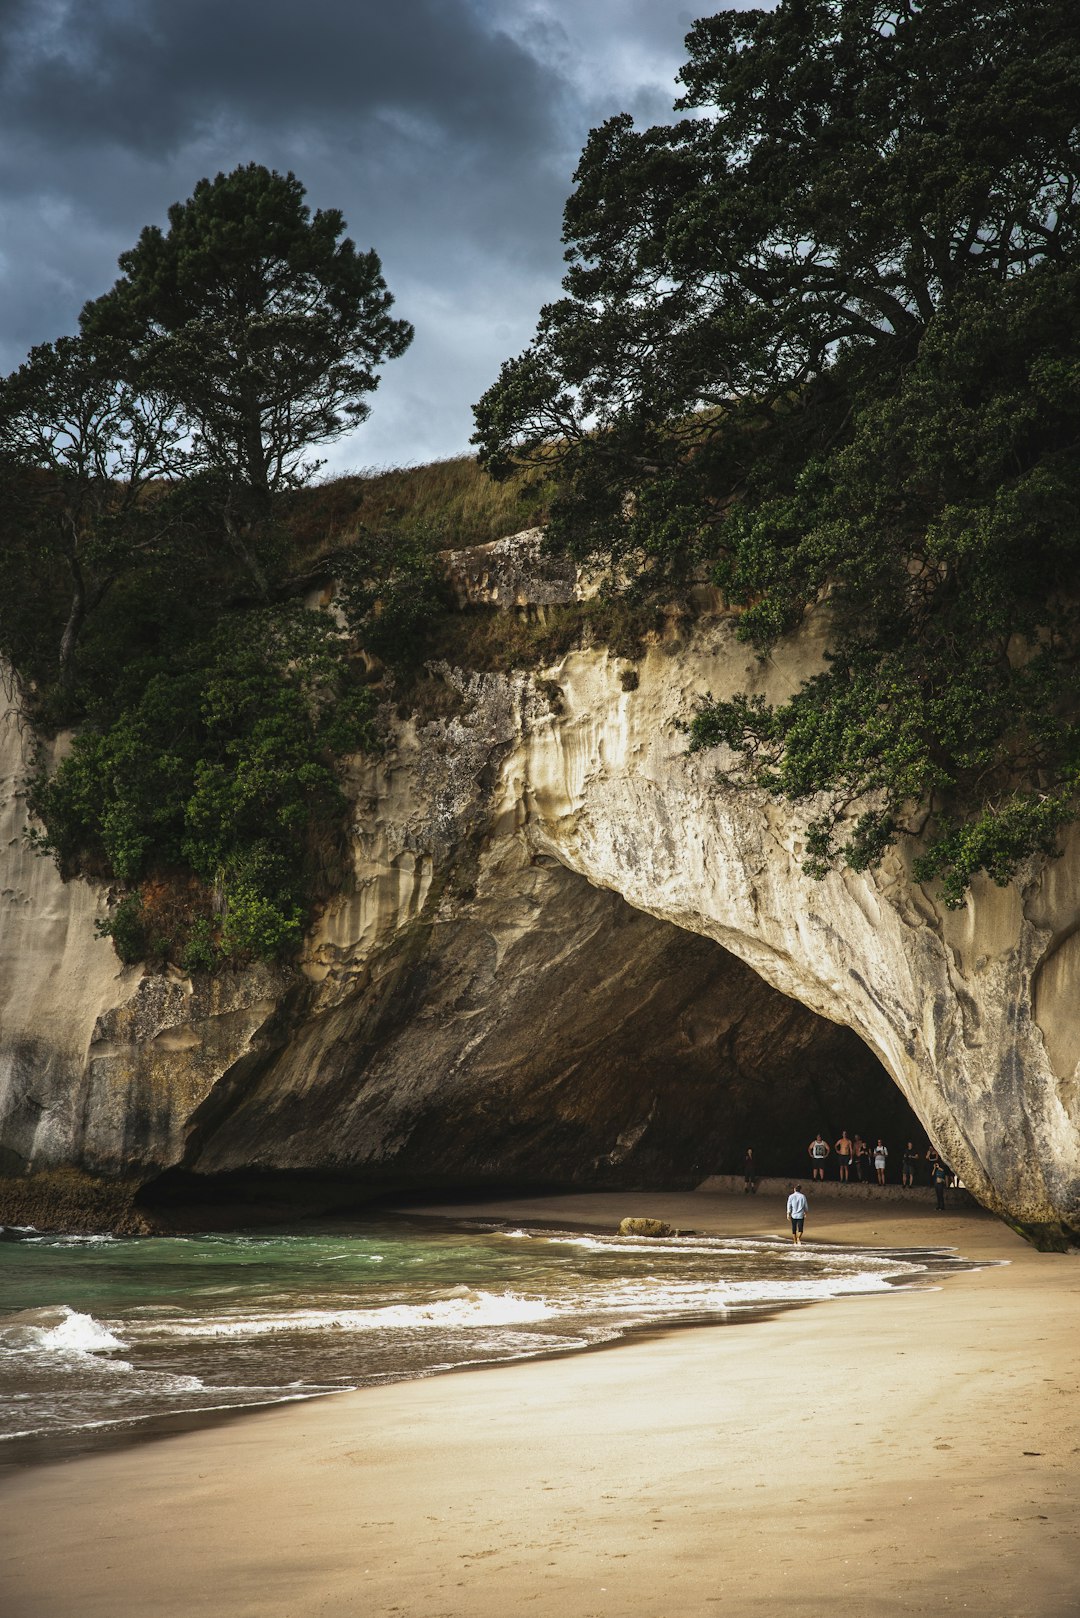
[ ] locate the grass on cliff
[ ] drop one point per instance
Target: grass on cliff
(452, 503)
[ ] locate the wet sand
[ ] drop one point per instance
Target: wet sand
(913, 1452)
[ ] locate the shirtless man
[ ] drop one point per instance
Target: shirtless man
(843, 1150)
(819, 1151)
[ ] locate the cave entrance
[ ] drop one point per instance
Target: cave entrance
(626, 1051)
(542, 1034)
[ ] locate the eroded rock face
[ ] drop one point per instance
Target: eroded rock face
(481, 1004)
(101, 1065)
(535, 1030)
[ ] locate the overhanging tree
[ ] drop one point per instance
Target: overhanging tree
(821, 333)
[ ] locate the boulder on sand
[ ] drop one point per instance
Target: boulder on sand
(646, 1227)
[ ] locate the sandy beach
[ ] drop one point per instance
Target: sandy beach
(914, 1452)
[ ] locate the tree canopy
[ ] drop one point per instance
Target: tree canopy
(263, 319)
(83, 448)
(237, 340)
(146, 470)
(820, 337)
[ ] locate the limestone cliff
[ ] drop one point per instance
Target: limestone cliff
(557, 961)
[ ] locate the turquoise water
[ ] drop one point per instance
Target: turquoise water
(101, 1333)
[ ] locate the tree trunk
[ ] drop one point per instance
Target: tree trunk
(69, 640)
(246, 555)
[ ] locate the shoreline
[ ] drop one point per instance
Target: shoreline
(692, 1472)
(29, 1450)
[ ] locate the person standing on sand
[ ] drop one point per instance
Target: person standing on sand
(908, 1164)
(862, 1160)
(844, 1150)
(796, 1207)
(819, 1151)
(749, 1170)
(939, 1179)
(881, 1157)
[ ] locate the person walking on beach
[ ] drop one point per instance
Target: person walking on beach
(796, 1207)
(749, 1170)
(844, 1150)
(881, 1157)
(908, 1165)
(819, 1151)
(939, 1179)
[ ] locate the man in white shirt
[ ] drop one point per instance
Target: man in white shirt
(796, 1207)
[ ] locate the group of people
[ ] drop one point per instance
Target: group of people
(855, 1158)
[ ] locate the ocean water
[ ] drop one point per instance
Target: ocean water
(103, 1337)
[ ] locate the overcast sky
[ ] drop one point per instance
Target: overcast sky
(447, 132)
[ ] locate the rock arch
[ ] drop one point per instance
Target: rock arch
(121, 1076)
(971, 1012)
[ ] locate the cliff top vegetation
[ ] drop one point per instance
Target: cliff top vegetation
(820, 341)
(820, 336)
(162, 526)
(146, 588)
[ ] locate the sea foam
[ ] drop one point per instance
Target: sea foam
(76, 1333)
(480, 1309)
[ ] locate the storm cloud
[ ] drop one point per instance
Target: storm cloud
(446, 131)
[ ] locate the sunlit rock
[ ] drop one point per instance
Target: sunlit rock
(517, 983)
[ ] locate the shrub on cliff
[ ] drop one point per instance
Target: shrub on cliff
(145, 589)
(820, 335)
(222, 768)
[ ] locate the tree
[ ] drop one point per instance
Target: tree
(215, 784)
(90, 445)
(263, 320)
(848, 167)
(820, 336)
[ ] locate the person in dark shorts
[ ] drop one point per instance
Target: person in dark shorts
(844, 1151)
(862, 1160)
(819, 1151)
(908, 1164)
(796, 1207)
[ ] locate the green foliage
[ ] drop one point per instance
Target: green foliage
(146, 465)
(940, 533)
(263, 320)
(823, 337)
(125, 927)
(392, 593)
(85, 450)
(222, 766)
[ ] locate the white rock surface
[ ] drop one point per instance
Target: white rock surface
(973, 1012)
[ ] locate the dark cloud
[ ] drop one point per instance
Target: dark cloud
(445, 130)
(156, 72)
